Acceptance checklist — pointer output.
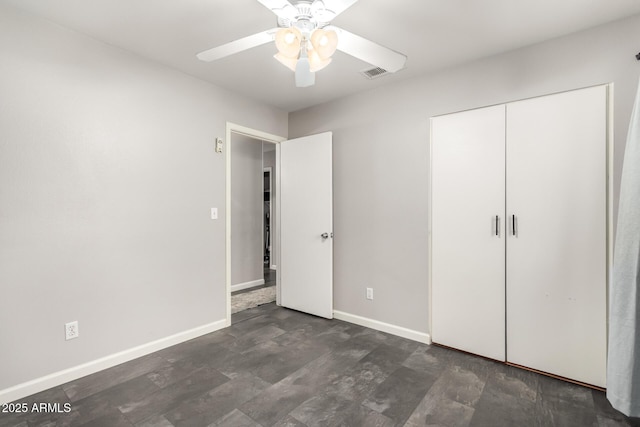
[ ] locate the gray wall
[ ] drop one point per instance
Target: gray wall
(246, 210)
(107, 177)
(381, 156)
(269, 160)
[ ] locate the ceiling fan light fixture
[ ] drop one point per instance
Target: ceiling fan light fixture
(304, 76)
(288, 41)
(290, 63)
(324, 42)
(316, 63)
(306, 40)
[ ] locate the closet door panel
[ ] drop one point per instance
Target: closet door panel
(467, 255)
(556, 262)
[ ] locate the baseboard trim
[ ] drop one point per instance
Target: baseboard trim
(58, 378)
(384, 327)
(247, 285)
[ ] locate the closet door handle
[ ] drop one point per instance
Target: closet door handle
(497, 225)
(514, 230)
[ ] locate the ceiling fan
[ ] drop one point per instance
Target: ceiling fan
(306, 40)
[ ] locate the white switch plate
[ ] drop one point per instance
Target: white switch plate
(370, 293)
(214, 213)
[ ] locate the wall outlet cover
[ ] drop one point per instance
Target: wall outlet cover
(71, 330)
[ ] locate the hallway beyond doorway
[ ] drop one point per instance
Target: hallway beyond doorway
(256, 296)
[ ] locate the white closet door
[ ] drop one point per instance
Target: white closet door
(556, 262)
(467, 255)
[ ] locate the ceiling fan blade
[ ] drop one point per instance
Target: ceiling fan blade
(370, 52)
(237, 46)
(282, 8)
(338, 6)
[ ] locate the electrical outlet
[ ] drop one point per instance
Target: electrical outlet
(71, 330)
(370, 293)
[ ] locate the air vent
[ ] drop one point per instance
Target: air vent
(374, 73)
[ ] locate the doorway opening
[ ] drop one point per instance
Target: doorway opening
(253, 275)
(270, 267)
(252, 249)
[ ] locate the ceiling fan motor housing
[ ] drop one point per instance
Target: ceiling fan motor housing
(309, 16)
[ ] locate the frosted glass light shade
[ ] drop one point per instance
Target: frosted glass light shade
(288, 41)
(304, 76)
(287, 62)
(316, 62)
(324, 42)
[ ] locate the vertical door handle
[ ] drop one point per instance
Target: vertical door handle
(497, 225)
(514, 230)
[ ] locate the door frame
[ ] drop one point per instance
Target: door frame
(232, 128)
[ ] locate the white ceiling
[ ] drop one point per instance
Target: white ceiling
(434, 34)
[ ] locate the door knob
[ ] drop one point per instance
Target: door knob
(324, 236)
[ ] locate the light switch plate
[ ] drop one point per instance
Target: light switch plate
(214, 213)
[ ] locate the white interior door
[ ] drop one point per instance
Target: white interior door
(467, 241)
(306, 225)
(556, 261)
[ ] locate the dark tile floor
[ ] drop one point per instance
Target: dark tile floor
(277, 367)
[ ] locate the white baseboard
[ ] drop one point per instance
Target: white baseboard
(384, 327)
(58, 378)
(273, 267)
(247, 285)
